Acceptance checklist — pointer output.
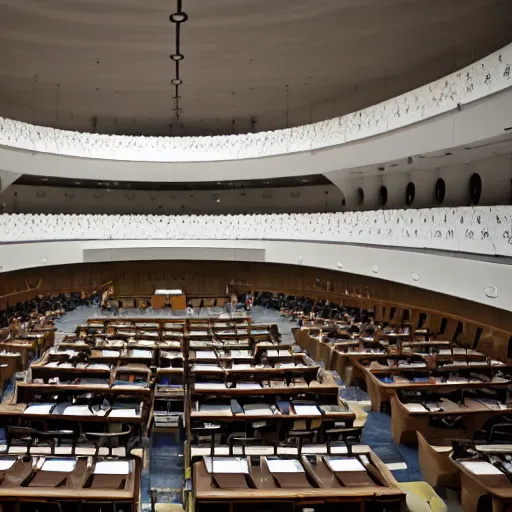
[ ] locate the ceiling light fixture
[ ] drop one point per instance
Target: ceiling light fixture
(177, 18)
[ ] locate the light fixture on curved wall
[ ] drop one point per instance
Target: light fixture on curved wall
(375, 269)
(440, 190)
(415, 276)
(410, 193)
(44, 259)
(340, 265)
(491, 292)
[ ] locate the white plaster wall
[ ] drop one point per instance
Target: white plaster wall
(495, 172)
(460, 277)
(479, 230)
(483, 78)
(476, 122)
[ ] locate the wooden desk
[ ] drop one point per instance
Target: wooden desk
(307, 492)
(381, 392)
(405, 422)
(75, 489)
(474, 486)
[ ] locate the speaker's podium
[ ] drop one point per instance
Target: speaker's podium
(162, 298)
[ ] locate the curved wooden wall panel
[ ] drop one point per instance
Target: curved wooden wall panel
(473, 323)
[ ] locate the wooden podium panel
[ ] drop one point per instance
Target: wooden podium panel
(177, 301)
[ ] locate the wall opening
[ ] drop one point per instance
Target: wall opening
(360, 196)
(475, 189)
(410, 192)
(440, 190)
(383, 196)
(509, 353)
(442, 327)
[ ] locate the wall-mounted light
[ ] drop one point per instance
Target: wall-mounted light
(340, 265)
(375, 269)
(415, 276)
(176, 57)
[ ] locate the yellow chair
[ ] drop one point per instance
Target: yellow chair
(420, 497)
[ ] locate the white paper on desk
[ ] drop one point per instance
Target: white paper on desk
(344, 464)
(59, 465)
(215, 408)
(206, 354)
(6, 464)
(248, 385)
(244, 366)
(491, 403)
(146, 354)
(226, 465)
(110, 353)
(66, 365)
(53, 364)
(38, 409)
(481, 468)
(494, 448)
(415, 407)
(287, 365)
(77, 410)
(240, 353)
(206, 368)
(272, 353)
(307, 410)
(98, 366)
(284, 466)
(145, 343)
(112, 467)
(123, 413)
(257, 409)
(209, 385)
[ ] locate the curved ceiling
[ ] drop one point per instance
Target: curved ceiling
(250, 65)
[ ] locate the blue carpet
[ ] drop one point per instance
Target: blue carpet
(377, 434)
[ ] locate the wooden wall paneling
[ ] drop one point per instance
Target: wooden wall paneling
(451, 328)
(434, 323)
(414, 318)
(466, 338)
(495, 343)
(379, 313)
(209, 279)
